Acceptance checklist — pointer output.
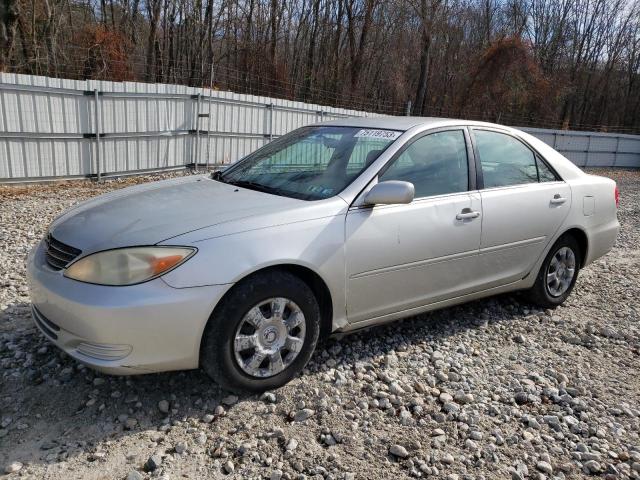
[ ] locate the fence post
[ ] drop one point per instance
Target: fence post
(408, 108)
(270, 121)
(197, 149)
(209, 115)
(586, 159)
(96, 96)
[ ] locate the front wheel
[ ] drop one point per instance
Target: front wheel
(558, 274)
(262, 333)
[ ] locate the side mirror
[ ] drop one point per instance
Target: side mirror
(390, 192)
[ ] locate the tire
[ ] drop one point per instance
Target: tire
(257, 300)
(550, 296)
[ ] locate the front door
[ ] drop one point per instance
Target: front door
(400, 257)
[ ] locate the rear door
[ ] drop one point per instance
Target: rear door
(523, 204)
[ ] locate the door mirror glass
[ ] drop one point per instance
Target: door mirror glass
(390, 192)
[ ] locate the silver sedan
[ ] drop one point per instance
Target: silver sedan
(331, 228)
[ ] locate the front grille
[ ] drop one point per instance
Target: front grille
(47, 326)
(59, 255)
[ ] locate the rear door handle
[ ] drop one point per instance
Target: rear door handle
(558, 199)
(467, 213)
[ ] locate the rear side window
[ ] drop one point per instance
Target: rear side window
(436, 164)
(507, 161)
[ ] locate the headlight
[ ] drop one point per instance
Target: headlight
(126, 266)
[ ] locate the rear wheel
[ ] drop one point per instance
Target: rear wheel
(262, 333)
(558, 273)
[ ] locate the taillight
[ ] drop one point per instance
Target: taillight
(617, 196)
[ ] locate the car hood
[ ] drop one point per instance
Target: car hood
(150, 213)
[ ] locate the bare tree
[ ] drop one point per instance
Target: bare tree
(546, 62)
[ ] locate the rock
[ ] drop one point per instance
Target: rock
(544, 467)
(13, 467)
(268, 397)
(470, 444)
(391, 360)
(593, 467)
(435, 356)
(451, 407)
(464, 398)
(163, 406)
(304, 414)
(447, 459)
(445, 397)
(180, 448)
(130, 423)
(208, 418)
(153, 463)
(48, 445)
(519, 338)
(398, 451)
(229, 400)
(292, 444)
(229, 467)
(276, 475)
(135, 475)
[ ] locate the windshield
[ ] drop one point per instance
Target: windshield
(310, 163)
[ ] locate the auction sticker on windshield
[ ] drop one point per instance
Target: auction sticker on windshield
(382, 134)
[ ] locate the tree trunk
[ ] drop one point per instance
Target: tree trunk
(9, 14)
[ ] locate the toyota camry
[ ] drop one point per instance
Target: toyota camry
(331, 228)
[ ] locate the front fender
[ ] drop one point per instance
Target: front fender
(316, 244)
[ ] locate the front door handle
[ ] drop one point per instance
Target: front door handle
(466, 214)
(558, 199)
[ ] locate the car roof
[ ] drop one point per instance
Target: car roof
(403, 123)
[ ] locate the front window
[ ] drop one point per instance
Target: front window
(311, 163)
(436, 164)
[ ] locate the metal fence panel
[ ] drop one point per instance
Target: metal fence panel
(58, 128)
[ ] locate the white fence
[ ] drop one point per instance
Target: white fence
(52, 128)
(56, 128)
(593, 149)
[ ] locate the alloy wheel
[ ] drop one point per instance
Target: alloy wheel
(561, 271)
(269, 337)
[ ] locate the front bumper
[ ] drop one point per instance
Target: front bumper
(149, 327)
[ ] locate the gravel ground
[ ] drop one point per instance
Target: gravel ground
(491, 389)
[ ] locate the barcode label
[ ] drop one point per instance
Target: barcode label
(381, 134)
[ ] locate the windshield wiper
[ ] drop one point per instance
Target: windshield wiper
(253, 186)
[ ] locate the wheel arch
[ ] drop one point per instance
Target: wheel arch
(315, 282)
(583, 242)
